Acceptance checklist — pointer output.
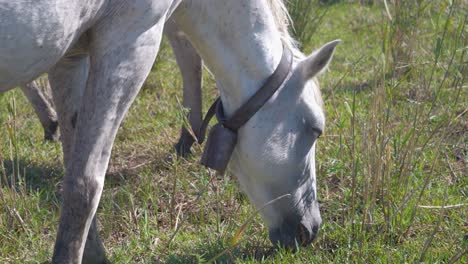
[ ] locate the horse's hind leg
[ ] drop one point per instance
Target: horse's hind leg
(44, 111)
(117, 71)
(68, 82)
(190, 66)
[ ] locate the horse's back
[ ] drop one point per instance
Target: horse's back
(34, 35)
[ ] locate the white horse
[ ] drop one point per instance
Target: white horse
(44, 110)
(190, 66)
(106, 48)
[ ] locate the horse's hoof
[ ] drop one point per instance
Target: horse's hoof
(183, 150)
(52, 137)
(52, 133)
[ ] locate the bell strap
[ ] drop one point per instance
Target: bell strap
(249, 108)
(208, 116)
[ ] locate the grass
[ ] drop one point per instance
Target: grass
(391, 166)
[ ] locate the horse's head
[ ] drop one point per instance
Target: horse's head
(241, 42)
(275, 153)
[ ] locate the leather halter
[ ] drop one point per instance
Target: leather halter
(245, 112)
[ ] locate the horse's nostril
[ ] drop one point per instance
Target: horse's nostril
(304, 235)
(292, 235)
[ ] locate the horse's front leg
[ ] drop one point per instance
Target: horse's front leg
(68, 82)
(44, 110)
(190, 65)
(121, 56)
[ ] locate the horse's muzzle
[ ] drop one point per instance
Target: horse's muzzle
(292, 234)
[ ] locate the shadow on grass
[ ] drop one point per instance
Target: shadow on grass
(125, 168)
(40, 176)
(35, 175)
(204, 253)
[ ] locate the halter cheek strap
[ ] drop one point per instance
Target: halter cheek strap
(223, 136)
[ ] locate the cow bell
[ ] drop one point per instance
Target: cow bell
(219, 147)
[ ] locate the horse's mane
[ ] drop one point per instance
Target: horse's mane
(283, 21)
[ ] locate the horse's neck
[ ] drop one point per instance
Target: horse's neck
(238, 41)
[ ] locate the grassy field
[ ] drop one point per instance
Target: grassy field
(392, 165)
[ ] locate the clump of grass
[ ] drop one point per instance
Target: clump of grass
(13, 190)
(306, 17)
(395, 146)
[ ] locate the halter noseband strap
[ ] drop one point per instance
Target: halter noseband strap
(211, 157)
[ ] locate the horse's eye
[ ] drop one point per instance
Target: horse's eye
(317, 132)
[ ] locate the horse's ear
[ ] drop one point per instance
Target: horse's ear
(318, 61)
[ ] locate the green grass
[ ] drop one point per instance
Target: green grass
(396, 142)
